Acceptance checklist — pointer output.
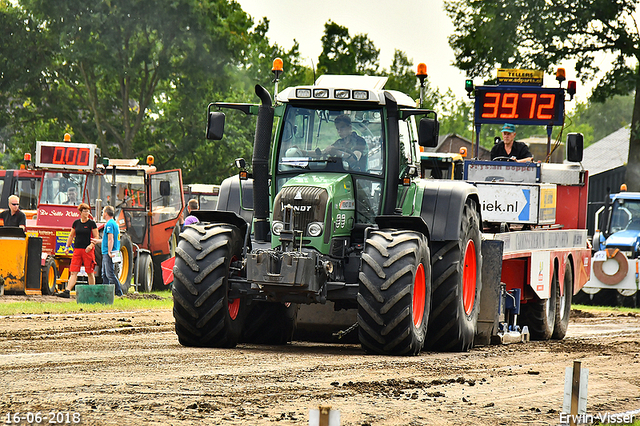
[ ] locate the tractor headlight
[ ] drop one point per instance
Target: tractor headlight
(314, 229)
(277, 227)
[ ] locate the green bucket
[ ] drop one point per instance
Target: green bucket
(98, 293)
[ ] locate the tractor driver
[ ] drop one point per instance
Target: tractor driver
(510, 148)
(72, 196)
(350, 146)
(14, 216)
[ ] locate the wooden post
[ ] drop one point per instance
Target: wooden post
(575, 392)
(324, 414)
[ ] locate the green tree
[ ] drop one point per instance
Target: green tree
(603, 117)
(402, 77)
(538, 34)
(456, 116)
(109, 61)
(342, 54)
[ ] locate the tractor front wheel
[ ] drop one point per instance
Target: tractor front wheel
(144, 278)
(204, 314)
(394, 292)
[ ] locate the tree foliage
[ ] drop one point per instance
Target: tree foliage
(342, 54)
(539, 33)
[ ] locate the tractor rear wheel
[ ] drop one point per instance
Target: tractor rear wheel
(540, 315)
(394, 289)
(270, 323)
(49, 276)
(563, 303)
(456, 287)
(204, 313)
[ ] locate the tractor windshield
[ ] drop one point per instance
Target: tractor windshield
(332, 140)
(625, 215)
(63, 188)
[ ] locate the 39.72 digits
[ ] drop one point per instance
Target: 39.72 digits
(516, 105)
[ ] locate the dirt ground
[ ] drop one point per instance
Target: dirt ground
(127, 368)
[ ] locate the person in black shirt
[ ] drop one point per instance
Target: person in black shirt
(350, 146)
(14, 216)
(82, 231)
(510, 148)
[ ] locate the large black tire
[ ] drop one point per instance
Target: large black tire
(394, 288)
(144, 278)
(457, 284)
(124, 269)
(540, 315)
(49, 276)
(204, 314)
(270, 323)
(563, 303)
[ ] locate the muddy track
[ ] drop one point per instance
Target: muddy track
(127, 368)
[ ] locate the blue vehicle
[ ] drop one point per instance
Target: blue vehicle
(616, 245)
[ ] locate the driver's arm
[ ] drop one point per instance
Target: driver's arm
(525, 160)
(524, 155)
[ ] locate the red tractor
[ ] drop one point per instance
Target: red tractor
(148, 205)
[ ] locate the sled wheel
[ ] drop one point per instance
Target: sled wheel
(540, 315)
(563, 303)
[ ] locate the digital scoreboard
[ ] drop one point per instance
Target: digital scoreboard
(530, 105)
(65, 155)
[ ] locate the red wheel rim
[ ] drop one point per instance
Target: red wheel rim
(234, 308)
(469, 275)
(234, 305)
(419, 296)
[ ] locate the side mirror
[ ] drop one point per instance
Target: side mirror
(575, 143)
(165, 188)
(240, 163)
(215, 125)
(428, 132)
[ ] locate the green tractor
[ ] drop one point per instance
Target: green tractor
(338, 215)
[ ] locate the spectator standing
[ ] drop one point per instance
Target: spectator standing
(82, 231)
(14, 216)
(191, 206)
(110, 242)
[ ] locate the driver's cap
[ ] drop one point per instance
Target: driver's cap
(510, 128)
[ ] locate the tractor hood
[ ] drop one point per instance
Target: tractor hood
(323, 199)
(628, 238)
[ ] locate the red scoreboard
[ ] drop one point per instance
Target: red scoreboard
(519, 105)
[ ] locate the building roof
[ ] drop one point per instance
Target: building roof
(608, 153)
